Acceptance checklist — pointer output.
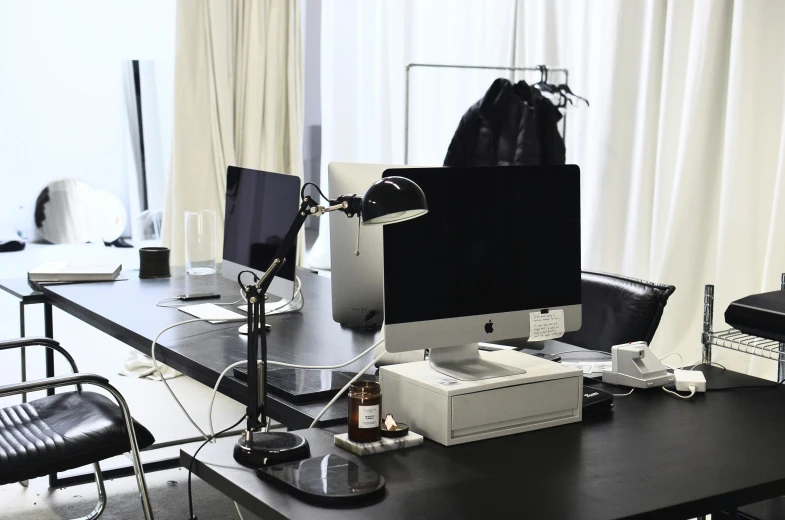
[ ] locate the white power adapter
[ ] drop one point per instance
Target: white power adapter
(689, 378)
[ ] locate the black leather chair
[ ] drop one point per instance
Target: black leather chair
(617, 309)
(68, 430)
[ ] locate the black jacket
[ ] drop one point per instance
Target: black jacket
(510, 125)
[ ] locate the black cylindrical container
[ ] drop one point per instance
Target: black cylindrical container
(154, 262)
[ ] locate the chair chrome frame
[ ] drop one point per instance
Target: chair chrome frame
(79, 379)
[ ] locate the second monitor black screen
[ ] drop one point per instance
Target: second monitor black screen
(494, 240)
(260, 208)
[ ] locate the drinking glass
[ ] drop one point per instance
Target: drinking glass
(200, 231)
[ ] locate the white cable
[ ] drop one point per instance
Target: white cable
(709, 363)
(623, 395)
(238, 511)
(159, 302)
(305, 367)
(292, 305)
(234, 302)
(346, 387)
(692, 392)
(158, 369)
(329, 367)
(215, 392)
(297, 293)
(580, 352)
(674, 354)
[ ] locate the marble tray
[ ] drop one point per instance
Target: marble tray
(385, 444)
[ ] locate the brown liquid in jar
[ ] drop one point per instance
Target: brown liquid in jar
(365, 411)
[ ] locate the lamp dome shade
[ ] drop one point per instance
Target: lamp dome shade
(393, 199)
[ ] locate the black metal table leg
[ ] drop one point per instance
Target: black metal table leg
(50, 365)
(23, 350)
(50, 355)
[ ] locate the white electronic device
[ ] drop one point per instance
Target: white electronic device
(636, 366)
(689, 378)
(451, 411)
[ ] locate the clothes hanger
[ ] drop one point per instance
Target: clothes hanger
(543, 84)
(565, 91)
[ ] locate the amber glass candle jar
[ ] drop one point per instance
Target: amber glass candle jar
(365, 411)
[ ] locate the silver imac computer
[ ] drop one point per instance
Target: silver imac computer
(260, 207)
(356, 279)
(498, 255)
(498, 251)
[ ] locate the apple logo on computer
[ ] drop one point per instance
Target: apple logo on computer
(489, 326)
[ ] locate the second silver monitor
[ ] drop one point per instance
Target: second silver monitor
(357, 281)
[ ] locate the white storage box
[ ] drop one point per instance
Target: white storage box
(450, 411)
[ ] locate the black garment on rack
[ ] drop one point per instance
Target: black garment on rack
(510, 125)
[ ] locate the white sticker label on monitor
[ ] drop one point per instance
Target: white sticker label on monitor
(546, 325)
(369, 416)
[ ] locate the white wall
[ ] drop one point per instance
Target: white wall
(62, 110)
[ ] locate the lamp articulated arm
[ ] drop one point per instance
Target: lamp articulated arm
(392, 199)
(255, 295)
(349, 204)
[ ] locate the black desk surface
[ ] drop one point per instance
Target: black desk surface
(19, 287)
(127, 311)
(653, 456)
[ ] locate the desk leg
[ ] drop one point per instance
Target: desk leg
(23, 350)
(50, 365)
(50, 354)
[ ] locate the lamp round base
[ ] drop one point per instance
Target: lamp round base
(257, 449)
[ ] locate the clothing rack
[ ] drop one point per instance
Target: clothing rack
(410, 66)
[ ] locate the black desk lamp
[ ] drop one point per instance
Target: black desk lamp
(387, 201)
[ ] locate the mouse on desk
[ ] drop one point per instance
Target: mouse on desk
(244, 329)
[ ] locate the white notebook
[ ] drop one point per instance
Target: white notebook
(63, 272)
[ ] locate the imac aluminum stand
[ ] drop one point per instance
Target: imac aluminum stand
(464, 363)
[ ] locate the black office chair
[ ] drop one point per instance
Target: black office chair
(68, 430)
(617, 310)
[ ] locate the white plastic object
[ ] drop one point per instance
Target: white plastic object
(636, 366)
(687, 378)
(452, 411)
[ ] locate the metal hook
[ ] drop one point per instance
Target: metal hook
(543, 73)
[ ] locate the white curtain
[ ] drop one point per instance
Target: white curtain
(238, 102)
(365, 48)
(682, 151)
